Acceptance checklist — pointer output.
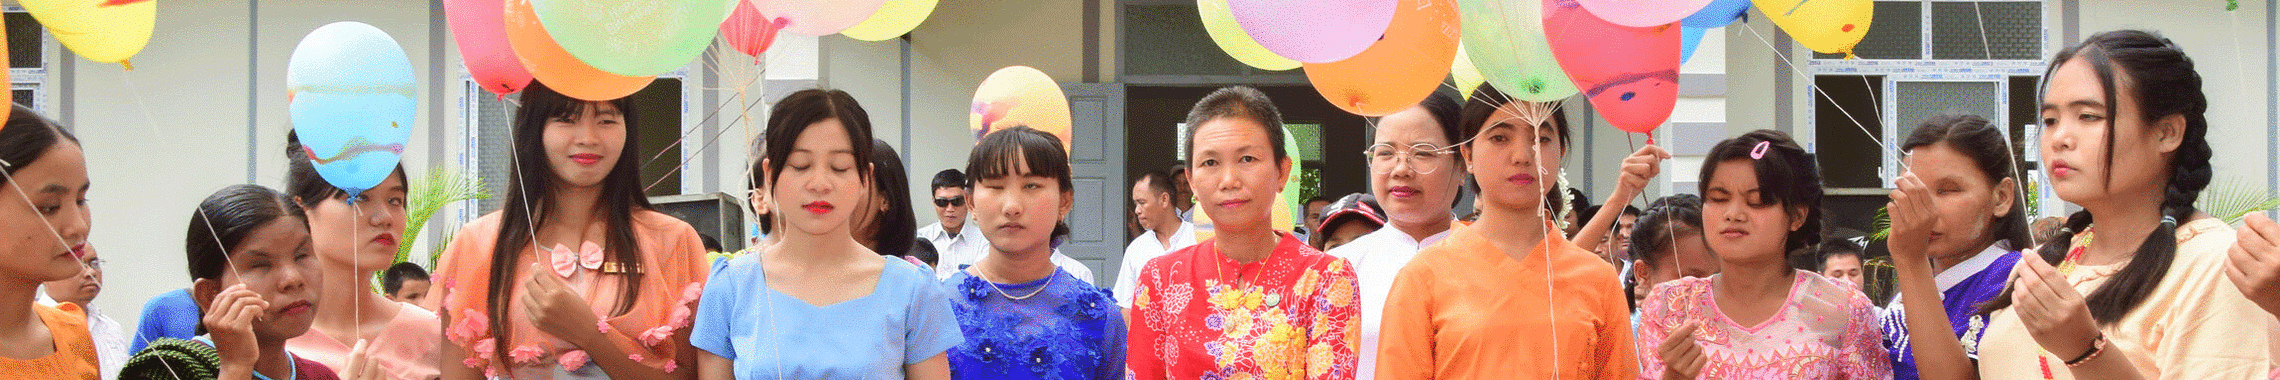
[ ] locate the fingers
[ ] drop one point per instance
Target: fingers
(1682, 336)
(2262, 227)
(357, 361)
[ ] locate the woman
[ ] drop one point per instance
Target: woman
(44, 217)
(815, 303)
(1668, 245)
(886, 223)
(1508, 296)
(1957, 214)
(575, 276)
(1415, 174)
(1024, 317)
(2139, 294)
(251, 264)
(354, 236)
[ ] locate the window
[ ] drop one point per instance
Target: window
(27, 59)
(1921, 58)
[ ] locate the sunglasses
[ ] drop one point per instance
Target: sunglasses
(950, 202)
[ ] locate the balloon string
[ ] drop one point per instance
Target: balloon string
(715, 112)
(1816, 89)
(709, 143)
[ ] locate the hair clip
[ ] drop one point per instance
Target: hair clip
(1758, 153)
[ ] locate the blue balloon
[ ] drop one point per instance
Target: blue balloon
(352, 102)
(1718, 13)
(1688, 37)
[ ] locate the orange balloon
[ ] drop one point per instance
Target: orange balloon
(549, 64)
(1400, 69)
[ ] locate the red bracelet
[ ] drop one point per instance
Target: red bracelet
(2096, 347)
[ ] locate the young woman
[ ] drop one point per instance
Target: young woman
(1957, 229)
(251, 264)
(2254, 265)
(1251, 302)
(1023, 317)
(1667, 244)
(354, 236)
(1508, 296)
(575, 276)
(815, 303)
(1758, 317)
(1415, 174)
(2139, 294)
(885, 222)
(43, 220)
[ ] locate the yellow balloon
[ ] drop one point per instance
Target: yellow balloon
(108, 31)
(1219, 22)
(1827, 26)
(1020, 96)
(1464, 74)
(895, 18)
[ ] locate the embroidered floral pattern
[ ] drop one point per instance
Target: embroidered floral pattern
(1297, 319)
(1824, 331)
(1068, 330)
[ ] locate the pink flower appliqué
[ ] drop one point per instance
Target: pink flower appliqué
(525, 354)
(654, 336)
(573, 360)
(635, 357)
(602, 322)
(471, 325)
(679, 317)
(485, 348)
(669, 366)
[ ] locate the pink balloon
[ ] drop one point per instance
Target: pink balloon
(818, 17)
(1643, 13)
(1630, 74)
(479, 26)
(749, 31)
(1314, 31)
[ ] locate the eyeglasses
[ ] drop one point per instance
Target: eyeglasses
(1417, 155)
(950, 201)
(96, 264)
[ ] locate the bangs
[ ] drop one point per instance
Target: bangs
(1002, 153)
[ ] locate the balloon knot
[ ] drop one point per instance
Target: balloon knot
(129, 64)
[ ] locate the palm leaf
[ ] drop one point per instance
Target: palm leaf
(441, 187)
(2232, 199)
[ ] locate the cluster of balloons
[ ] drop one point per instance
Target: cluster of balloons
(607, 49)
(1374, 57)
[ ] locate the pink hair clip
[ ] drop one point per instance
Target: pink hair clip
(1758, 152)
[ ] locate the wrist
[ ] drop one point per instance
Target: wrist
(2097, 346)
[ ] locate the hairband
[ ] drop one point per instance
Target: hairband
(1758, 153)
(2167, 220)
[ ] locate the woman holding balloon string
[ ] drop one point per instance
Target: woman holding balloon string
(815, 303)
(251, 265)
(576, 276)
(1957, 230)
(1023, 316)
(354, 236)
(44, 220)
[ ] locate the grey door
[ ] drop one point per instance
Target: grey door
(1096, 222)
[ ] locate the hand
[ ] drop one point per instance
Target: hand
(1913, 217)
(361, 365)
(1640, 167)
(1682, 358)
(2054, 313)
(229, 322)
(2255, 263)
(556, 309)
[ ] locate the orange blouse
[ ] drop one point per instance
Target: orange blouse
(74, 356)
(1463, 310)
(674, 270)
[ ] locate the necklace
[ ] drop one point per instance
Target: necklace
(1040, 289)
(1239, 292)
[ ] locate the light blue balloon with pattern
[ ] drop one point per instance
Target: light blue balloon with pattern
(351, 99)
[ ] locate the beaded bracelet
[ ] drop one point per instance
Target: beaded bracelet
(2096, 347)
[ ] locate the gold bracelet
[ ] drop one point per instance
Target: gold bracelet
(2096, 347)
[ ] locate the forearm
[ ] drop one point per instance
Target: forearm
(615, 361)
(1595, 230)
(1939, 354)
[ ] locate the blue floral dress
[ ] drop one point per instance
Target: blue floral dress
(1062, 328)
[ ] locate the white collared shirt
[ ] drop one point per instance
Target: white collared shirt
(965, 247)
(1137, 254)
(1377, 258)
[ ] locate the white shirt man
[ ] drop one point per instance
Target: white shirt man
(1153, 207)
(110, 339)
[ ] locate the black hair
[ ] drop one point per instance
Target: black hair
(1236, 101)
(2163, 82)
(889, 185)
(393, 279)
(1475, 117)
(924, 251)
(1990, 152)
(950, 178)
(531, 184)
(303, 182)
(225, 219)
(1629, 210)
(1786, 176)
(1446, 112)
(712, 244)
(1664, 222)
(790, 118)
(994, 157)
(26, 137)
(753, 179)
(1836, 246)
(1159, 182)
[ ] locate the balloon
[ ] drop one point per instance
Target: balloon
(1287, 200)
(1464, 74)
(1220, 24)
(1688, 38)
(1396, 73)
(1630, 74)
(1827, 26)
(819, 17)
(1020, 95)
(632, 37)
(108, 31)
(1506, 41)
(479, 26)
(1314, 31)
(748, 31)
(351, 98)
(1718, 13)
(1642, 13)
(895, 18)
(556, 68)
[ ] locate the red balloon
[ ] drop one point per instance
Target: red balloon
(1630, 74)
(479, 26)
(749, 31)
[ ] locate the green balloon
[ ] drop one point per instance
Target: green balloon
(1290, 185)
(1506, 41)
(633, 38)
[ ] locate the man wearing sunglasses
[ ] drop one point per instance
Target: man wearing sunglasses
(954, 239)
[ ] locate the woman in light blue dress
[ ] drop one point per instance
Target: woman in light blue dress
(1023, 317)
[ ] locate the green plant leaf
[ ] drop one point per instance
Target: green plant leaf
(441, 187)
(2232, 199)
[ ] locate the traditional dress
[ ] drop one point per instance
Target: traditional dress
(1377, 257)
(1290, 315)
(1137, 254)
(1824, 330)
(404, 350)
(1058, 328)
(905, 319)
(1962, 288)
(672, 278)
(74, 355)
(1464, 310)
(2195, 324)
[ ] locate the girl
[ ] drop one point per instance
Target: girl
(1024, 317)
(43, 220)
(354, 236)
(815, 303)
(1507, 296)
(1955, 213)
(885, 222)
(2140, 293)
(1668, 245)
(575, 276)
(1759, 318)
(251, 264)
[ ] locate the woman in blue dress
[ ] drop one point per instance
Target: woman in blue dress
(813, 303)
(1023, 317)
